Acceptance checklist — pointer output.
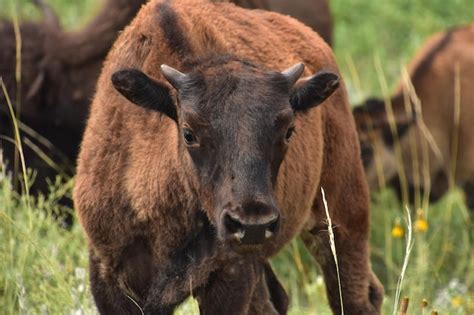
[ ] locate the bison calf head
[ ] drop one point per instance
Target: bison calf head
(377, 137)
(235, 122)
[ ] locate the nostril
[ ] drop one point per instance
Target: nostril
(273, 226)
(251, 229)
(232, 224)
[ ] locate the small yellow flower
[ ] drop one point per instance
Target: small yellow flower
(397, 230)
(421, 224)
(456, 301)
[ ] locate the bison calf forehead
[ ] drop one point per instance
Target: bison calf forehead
(235, 89)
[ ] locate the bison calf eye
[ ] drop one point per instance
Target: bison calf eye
(289, 133)
(189, 137)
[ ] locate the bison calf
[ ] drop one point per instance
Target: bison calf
(202, 158)
(441, 74)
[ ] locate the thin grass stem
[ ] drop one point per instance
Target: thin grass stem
(332, 243)
(408, 249)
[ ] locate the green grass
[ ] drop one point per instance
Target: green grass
(391, 31)
(44, 267)
(73, 13)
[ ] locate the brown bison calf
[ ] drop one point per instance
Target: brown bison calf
(442, 74)
(220, 164)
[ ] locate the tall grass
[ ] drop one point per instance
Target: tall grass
(43, 268)
(332, 243)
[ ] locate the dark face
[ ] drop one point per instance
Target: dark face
(236, 123)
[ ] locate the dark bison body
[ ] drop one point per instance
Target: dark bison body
(192, 174)
(59, 71)
(436, 141)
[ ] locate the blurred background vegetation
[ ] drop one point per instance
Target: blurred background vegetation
(44, 267)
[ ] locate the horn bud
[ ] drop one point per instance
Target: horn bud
(293, 73)
(174, 77)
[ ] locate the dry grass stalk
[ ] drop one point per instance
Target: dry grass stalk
(408, 248)
(18, 142)
(332, 244)
(457, 117)
(404, 306)
(18, 45)
(136, 304)
(393, 129)
(377, 156)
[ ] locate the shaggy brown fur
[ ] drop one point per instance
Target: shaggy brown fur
(58, 75)
(140, 190)
(433, 74)
(314, 13)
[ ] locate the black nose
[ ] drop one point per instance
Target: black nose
(252, 231)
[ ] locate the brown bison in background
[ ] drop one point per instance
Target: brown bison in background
(192, 174)
(59, 71)
(314, 13)
(434, 138)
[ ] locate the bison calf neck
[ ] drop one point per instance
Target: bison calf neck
(189, 180)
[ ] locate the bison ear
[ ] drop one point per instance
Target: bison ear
(143, 91)
(312, 91)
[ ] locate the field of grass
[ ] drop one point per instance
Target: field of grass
(43, 268)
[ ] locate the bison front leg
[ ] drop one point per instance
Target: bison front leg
(229, 290)
(249, 288)
(111, 299)
(362, 293)
(269, 297)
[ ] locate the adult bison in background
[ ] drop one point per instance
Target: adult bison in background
(192, 174)
(59, 71)
(435, 126)
(314, 13)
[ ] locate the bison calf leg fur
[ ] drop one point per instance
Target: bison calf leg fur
(243, 288)
(362, 292)
(229, 291)
(269, 296)
(109, 298)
